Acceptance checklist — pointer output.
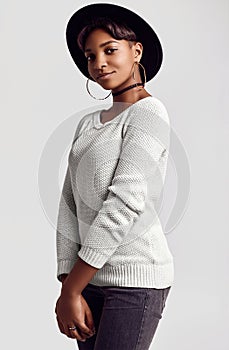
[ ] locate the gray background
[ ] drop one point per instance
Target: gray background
(40, 88)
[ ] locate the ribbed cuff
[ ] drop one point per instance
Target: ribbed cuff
(93, 256)
(64, 266)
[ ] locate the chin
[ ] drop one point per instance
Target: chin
(111, 85)
(108, 85)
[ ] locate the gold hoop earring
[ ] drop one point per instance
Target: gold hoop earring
(143, 71)
(87, 86)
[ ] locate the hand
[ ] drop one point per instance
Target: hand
(73, 310)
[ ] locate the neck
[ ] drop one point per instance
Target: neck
(131, 95)
(122, 101)
(132, 86)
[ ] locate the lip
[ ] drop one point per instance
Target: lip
(104, 76)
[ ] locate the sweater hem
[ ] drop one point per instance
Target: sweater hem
(135, 275)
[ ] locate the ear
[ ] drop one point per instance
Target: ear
(138, 49)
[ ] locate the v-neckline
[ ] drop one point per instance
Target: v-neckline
(97, 115)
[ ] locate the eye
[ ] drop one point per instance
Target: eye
(88, 58)
(110, 49)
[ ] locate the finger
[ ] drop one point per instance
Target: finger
(89, 319)
(74, 333)
(83, 335)
(88, 322)
(69, 332)
(84, 329)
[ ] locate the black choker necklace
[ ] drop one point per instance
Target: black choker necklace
(127, 88)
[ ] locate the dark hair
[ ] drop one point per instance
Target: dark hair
(118, 30)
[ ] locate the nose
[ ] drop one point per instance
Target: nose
(99, 62)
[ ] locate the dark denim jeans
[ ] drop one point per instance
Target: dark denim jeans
(125, 318)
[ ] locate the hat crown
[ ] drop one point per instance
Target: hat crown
(152, 50)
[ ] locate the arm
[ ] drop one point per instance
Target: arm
(78, 278)
(71, 307)
(67, 235)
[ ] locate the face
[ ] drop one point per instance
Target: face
(108, 55)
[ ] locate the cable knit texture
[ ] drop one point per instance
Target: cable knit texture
(108, 210)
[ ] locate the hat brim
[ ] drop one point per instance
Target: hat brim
(152, 50)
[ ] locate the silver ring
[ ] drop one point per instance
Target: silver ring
(72, 328)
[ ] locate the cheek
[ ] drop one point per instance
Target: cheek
(90, 70)
(123, 62)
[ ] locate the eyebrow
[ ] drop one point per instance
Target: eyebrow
(103, 44)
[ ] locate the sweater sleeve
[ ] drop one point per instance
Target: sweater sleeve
(145, 142)
(67, 231)
(67, 235)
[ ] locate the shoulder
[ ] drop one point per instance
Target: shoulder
(82, 124)
(149, 110)
(149, 119)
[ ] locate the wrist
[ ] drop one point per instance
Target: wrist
(68, 290)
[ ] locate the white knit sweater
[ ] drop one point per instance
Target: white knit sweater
(108, 211)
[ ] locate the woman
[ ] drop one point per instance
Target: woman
(113, 259)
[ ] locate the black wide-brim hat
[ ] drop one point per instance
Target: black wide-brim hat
(152, 50)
